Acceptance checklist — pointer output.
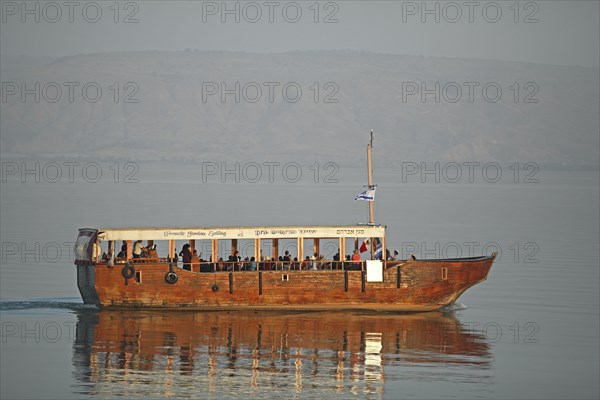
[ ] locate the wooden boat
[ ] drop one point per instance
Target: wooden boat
(293, 282)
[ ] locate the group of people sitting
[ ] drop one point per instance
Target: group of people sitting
(282, 263)
(236, 263)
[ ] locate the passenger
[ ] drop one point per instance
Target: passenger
(267, 263)
(295, 266)
(238, 261)
(305, 264)
(395, 256)
(252, 264)
(123, 252)
(314, 262)
(186, 257)
(322, 263)
(347, 263)
(336, 259)
(138, 249)
(287, 260)
(231, 263)
(195, 260)
(388, 255)
(356, 260)
(221, 264)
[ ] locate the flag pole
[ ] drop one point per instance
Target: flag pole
(370, 182)
(370, 178)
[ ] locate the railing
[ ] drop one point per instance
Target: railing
(241, 266)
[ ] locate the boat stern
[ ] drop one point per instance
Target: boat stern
(86, 267)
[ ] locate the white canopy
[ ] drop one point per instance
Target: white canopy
(254, 232)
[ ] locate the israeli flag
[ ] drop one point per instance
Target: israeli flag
(367, 195)
(378, 250)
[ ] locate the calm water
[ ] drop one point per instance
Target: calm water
(530, 331)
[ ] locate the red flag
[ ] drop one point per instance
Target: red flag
(363, 247)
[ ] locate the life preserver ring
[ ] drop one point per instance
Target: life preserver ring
(128, 271)
(171, 277)
(215, 288)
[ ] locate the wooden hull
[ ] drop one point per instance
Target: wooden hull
(409, 286)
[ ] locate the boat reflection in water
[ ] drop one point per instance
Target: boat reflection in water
(242, 354)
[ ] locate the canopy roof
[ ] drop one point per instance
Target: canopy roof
(253, 232)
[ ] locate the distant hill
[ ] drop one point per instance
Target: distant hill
(180, 115)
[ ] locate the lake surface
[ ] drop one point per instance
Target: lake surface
(530, 331)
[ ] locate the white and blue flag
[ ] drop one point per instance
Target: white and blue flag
(367, 195)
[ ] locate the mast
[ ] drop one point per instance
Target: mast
(370, 178)
(370, 182)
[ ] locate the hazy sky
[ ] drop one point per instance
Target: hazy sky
(553, 32)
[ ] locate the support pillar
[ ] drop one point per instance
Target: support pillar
(300, 249)
(275, 249)
(234, 246)
(342, 250)
(215, 250)
(171, 249)
(257, 250)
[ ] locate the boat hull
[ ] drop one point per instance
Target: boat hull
(408, 286)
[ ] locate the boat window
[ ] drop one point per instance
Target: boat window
(444, 274)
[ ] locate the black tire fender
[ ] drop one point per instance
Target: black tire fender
(128, 271)
(171, 278)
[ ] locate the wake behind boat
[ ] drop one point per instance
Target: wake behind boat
(300, 279)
